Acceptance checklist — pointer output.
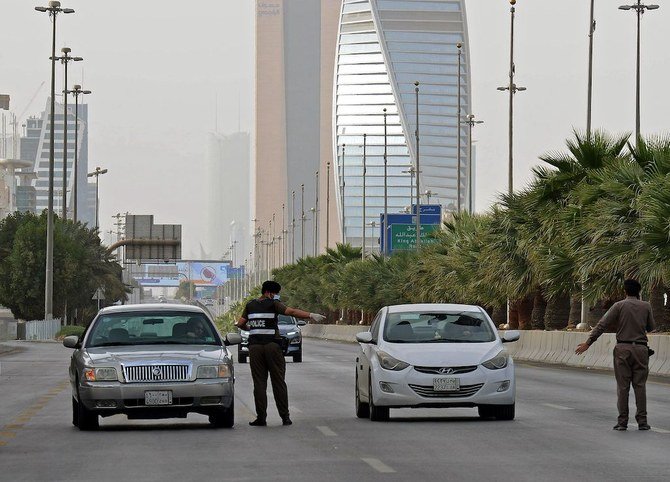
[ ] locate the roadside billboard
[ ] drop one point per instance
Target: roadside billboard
(202, 273)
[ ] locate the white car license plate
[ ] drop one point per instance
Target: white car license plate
(158, 398)
(446, 384)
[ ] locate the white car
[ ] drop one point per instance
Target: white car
(434, 355)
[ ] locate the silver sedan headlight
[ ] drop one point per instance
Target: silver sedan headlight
(100, 374)
(214, 371)
(498, 362)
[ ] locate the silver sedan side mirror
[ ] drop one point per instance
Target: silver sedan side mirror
(71, 341)
(233, 339)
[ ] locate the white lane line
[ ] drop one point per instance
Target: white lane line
(326, 431)
(378, 465)
(659, 430)
(557, 407)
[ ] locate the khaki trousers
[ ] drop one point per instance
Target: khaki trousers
(631, 367)
(263, 360)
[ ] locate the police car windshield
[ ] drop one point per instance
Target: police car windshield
(149, 328)
(286, 320)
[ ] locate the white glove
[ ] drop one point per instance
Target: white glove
(317, 317)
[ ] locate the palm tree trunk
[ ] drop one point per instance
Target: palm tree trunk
(513, 315)
(557, 314)
(575, 310)
(539, 308)
(595, 313)
(499, 315)
(525, 312)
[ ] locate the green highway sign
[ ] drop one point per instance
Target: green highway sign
(403, 236)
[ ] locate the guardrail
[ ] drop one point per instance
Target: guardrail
(550, 347)
(40, 330)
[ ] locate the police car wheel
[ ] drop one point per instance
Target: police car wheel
(224, 418)
(362, 408)
(242, 358)
(297, 358)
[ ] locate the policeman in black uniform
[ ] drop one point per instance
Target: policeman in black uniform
(265, 353)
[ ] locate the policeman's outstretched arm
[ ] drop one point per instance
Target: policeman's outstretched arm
(305, 314)
(242, 324)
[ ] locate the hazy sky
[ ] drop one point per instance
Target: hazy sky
(156, 68)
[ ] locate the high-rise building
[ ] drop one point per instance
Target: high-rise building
(35, 147)
(295, 45)
(229, 226)
(383, 48)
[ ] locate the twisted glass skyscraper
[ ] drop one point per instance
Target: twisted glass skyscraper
(384, 47)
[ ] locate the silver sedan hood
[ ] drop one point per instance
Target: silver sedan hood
(156, 353)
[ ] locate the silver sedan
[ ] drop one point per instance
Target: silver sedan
(151, 361)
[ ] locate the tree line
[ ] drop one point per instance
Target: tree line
(81, 265)
(591, 216)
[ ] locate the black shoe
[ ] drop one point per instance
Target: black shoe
(258, 423)
(620, 428)
(286, 421)
(644, 427)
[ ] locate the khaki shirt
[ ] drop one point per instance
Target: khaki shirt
(633, 319)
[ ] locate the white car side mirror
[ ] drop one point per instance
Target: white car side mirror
(364, 337)
(510, 336)
(233, 339)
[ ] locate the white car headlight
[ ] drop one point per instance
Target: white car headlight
(100, 374)
(214, 371)
(497, 362)
(291, 333)
(389, 363)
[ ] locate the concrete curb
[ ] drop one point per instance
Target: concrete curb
(550, 347)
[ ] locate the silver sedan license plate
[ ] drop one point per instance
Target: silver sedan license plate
(446, 384)
(163, 397)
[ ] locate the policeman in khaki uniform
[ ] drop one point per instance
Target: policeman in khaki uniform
(633, 319)
(265, 352)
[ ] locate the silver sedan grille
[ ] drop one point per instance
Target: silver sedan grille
(156, 373)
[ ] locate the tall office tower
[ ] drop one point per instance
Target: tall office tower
(36, 143)
(229, 174)
(294, 65)
(384, 47)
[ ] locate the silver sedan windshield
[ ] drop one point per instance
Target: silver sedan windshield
(148, 328)
(441, 327)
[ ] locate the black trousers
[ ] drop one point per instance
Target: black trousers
(263, 360)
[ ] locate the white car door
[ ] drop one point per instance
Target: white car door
(366, 352)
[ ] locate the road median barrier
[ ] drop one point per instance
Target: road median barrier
(550, 347)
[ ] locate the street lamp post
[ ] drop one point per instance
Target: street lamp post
(314, 225)
(327, 205)
(471, 123)
(292, 226)
(302, 220)
(458, 135)
(589, 95)
(386, 194)
(97, 173)
(53, 10)
(513, 89)
(344, 183)
(418, 170)
(639, 8)
(365, 145)
(65, 59)
(76, 91)
(282, 239)
(316, 215)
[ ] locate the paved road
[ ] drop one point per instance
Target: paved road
(562, 432)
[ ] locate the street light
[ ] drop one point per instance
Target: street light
(302, 220)
(418, 170)
(292, 226)
(589, 94)
(470, 119)
(327, 205)
(458, 126)
(386, 194)
(314, 226)
(343, 185)
(76, 91)
(513, 89)
(639, 8)
(53, 10)
(365, 147)
(65, 59)
(316, 215)
(97, 173)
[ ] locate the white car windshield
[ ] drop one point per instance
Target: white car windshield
(149, 328)
(438, 327)
(285, 320)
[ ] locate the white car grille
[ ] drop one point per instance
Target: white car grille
(156, 373)
(428, 392)
(446, 370)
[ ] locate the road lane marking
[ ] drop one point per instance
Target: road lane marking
(378, 465)
(659, 430)
(326, 431)
(558, 407)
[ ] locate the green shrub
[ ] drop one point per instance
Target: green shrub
(69, 331)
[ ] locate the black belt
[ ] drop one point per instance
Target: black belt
(633, 342)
